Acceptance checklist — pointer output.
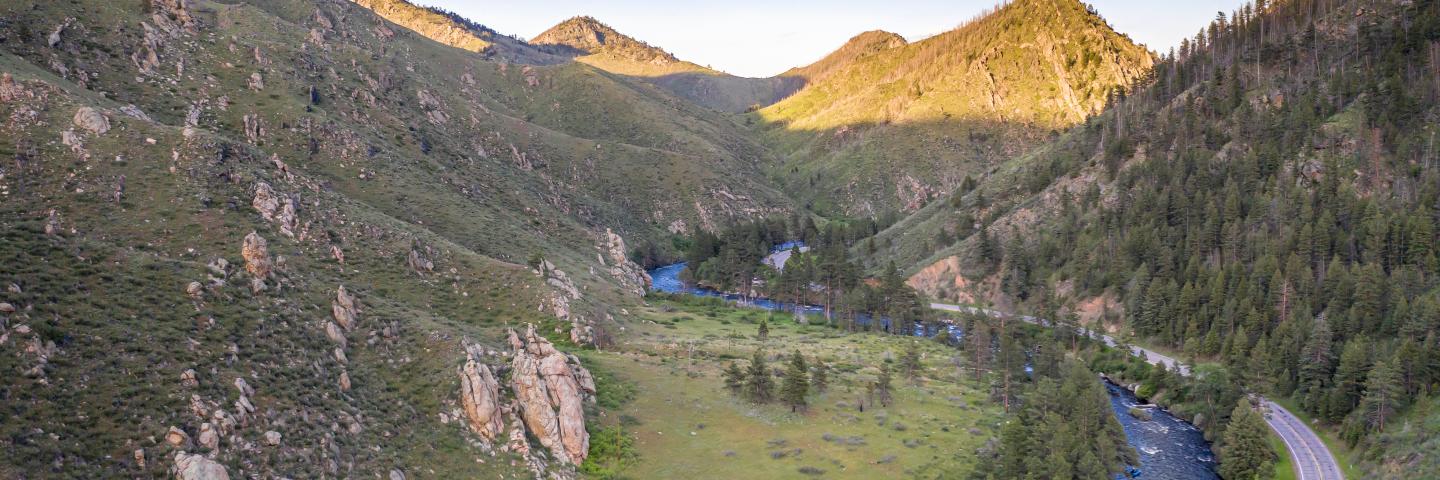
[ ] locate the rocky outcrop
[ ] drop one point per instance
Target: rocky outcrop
(563, 289)
(420, 259)
(188, 379)
(550, 398)
(195, 290)
(480, 398)
(257, 260)
(197, 467)
(265, 201)
(275, 208)
(92, 120)
(10, 90)
(177, 437)
(254, 130)
(209, 438)
(631, 276)
(334, 333)
(430, 24)
(343, 308)
(344, 381)
(169, 19)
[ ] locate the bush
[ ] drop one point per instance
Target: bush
(611, 451)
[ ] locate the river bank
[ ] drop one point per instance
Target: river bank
(1169, 446)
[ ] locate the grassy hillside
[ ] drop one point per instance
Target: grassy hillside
(99, 245)
(885, 125)
(138, 137)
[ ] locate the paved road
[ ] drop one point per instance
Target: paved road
(777, 259)
(1311, 458)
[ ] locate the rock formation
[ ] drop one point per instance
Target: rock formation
(420, 262)
(197, 467)
(480, 397)
(334, 333)
(631, 276)
(265, 201)
(208, 437)
(343, 308)
(177, 437)
(195, 290)
(564, 289)
(10, 90)
(92, 120)
(550, 397)
(257, 260)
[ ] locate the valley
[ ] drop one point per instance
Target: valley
(383, 239)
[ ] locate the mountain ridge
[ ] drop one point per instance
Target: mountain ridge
(952, 105)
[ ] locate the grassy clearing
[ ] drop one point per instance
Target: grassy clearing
(686, 424)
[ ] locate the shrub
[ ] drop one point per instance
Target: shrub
(611, 450)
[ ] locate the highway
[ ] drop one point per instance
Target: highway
(1311, 458)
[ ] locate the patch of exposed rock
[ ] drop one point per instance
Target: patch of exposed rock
(10, 90)
(564, 289)
(257, 260)
(197, 467)
(344, 308)
(92, 120)
(551, 398)
(480, 397)
(275, 208)
(420, 259)
(545, 399)
(631, 276)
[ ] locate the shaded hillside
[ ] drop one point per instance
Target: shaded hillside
(1267, 201)
(886, 125)
(189, 185)
(588, 41)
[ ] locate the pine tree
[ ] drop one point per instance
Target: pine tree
(1383, 395)
(1245, 451)
(883, 387)
(820, 377)
(1349, 379)
(734, 379)
(759, 386)
(764, 331)
(797, 383)
(977, 344)
(910, 362)
(1315, 365)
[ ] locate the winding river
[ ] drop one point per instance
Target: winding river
(1170, 448)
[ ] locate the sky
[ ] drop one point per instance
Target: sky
(756, 38)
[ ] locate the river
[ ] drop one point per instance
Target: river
(1169, 447)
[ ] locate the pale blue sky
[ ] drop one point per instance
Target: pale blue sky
(762, 38)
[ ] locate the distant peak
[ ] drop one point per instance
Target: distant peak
(876, 38)
(584, 35)
(581, 32)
